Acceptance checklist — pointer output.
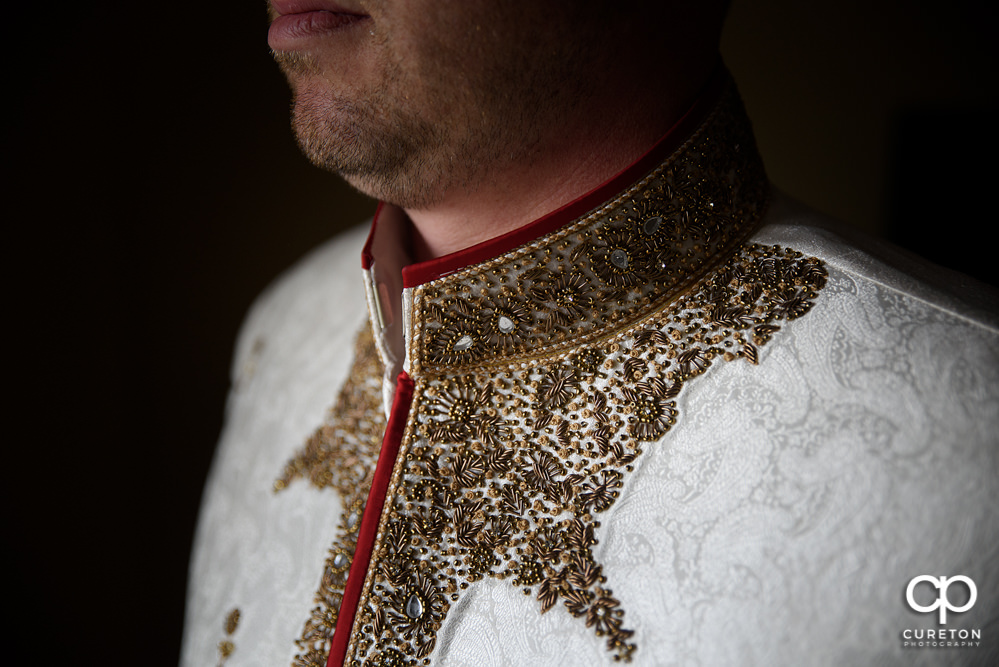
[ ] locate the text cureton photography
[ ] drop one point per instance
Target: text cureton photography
(939, 587)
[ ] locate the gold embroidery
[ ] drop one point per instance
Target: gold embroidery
(226, 647)
(341, 454)
(508, 467)
(539, 378)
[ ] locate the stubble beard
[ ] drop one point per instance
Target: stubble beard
(414, 141)
(376, 146)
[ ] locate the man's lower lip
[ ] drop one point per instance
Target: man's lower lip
(292, 31)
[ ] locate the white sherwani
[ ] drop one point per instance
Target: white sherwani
(676, 422)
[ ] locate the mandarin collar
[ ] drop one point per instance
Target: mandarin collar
(599, 264)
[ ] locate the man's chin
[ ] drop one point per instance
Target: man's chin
(296, 64)
(399, 189)
(328, 150)
(384, 155)
(365, 184)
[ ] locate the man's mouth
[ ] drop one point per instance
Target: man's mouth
(295, 22)
(288, 7)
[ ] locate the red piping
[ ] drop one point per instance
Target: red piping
(372, 515)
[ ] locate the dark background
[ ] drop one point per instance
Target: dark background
(151, 189)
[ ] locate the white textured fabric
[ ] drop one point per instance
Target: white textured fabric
(778, 523)
(255, 550)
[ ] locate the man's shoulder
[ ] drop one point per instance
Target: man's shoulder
(294, 352)
(874, 262)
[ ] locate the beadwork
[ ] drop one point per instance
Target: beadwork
(540, 376)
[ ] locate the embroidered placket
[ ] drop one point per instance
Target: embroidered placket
(372, 514)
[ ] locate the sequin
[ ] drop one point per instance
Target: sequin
(652, 225)
(414, 606)
(619, 258)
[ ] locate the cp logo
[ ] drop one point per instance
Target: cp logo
(942, 603)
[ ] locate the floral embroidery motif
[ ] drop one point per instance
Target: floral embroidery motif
(341, 454)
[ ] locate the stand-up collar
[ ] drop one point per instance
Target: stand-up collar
(600, 263)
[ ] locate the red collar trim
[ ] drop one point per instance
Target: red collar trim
(367, 255)
(423, 272)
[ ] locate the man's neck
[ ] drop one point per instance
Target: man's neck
(601, 145)
(468, 218)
